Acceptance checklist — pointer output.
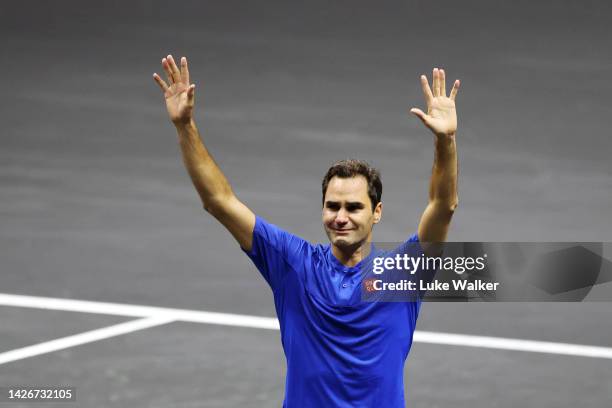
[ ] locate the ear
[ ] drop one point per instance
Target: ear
(378, 213)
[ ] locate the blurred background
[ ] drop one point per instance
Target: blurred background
(95, 203)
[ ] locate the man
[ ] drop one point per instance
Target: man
(341, 351)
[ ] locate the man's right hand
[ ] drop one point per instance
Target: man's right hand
(208, 179)
(179, 93)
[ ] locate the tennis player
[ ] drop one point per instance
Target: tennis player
(340, 350)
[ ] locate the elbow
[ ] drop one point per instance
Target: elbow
(208, 208)
(454, 205)
(215, 205)
(447, 207)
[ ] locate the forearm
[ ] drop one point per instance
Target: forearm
(207, 177)
(435, 221)
(443, 184)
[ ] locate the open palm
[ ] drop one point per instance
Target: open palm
(178, 92)
(441, 116)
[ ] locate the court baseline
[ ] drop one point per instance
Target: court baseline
(151, 316)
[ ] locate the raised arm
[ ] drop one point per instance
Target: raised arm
(208, 179)
(441, 119)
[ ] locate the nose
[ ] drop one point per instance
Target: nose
(342, 217)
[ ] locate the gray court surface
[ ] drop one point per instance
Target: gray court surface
(95, 204)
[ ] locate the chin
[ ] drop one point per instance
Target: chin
(345, 242)
(342, 242)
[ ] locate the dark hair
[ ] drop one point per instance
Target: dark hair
(352, 168)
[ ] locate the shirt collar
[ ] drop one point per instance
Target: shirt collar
(339, 266)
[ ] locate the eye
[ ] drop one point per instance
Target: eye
(332, 206)
(353, 207)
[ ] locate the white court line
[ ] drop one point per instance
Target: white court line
(119, 309)
(501, 343)
(83, 338)
(270, 323)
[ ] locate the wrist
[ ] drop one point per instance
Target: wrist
(445, 138)
(183, 125)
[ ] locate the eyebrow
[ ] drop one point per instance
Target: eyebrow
(357, 204)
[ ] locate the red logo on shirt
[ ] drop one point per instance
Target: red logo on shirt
(369, 285)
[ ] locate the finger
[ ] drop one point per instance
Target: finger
(435, 82)
(184, 70)
(455, 89)
(176, 74)
(160, 82)
(426, 90)
(442, 83)
(420, 114)
(168, 71)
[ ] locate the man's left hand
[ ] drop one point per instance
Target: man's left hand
(441, 116)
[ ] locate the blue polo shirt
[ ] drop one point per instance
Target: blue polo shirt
(340, 351)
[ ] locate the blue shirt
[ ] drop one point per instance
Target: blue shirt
(340, 351)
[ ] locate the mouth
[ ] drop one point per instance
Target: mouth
(341, 231)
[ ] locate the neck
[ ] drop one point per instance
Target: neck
(352, 255)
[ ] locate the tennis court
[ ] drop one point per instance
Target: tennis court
(116, 282)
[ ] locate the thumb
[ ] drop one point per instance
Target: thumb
(191, 94)
(420, 114)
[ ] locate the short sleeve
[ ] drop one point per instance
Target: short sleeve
(276, 252)
(416, 271)
(412, 247)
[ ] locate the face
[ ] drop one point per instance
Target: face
(347, 212)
